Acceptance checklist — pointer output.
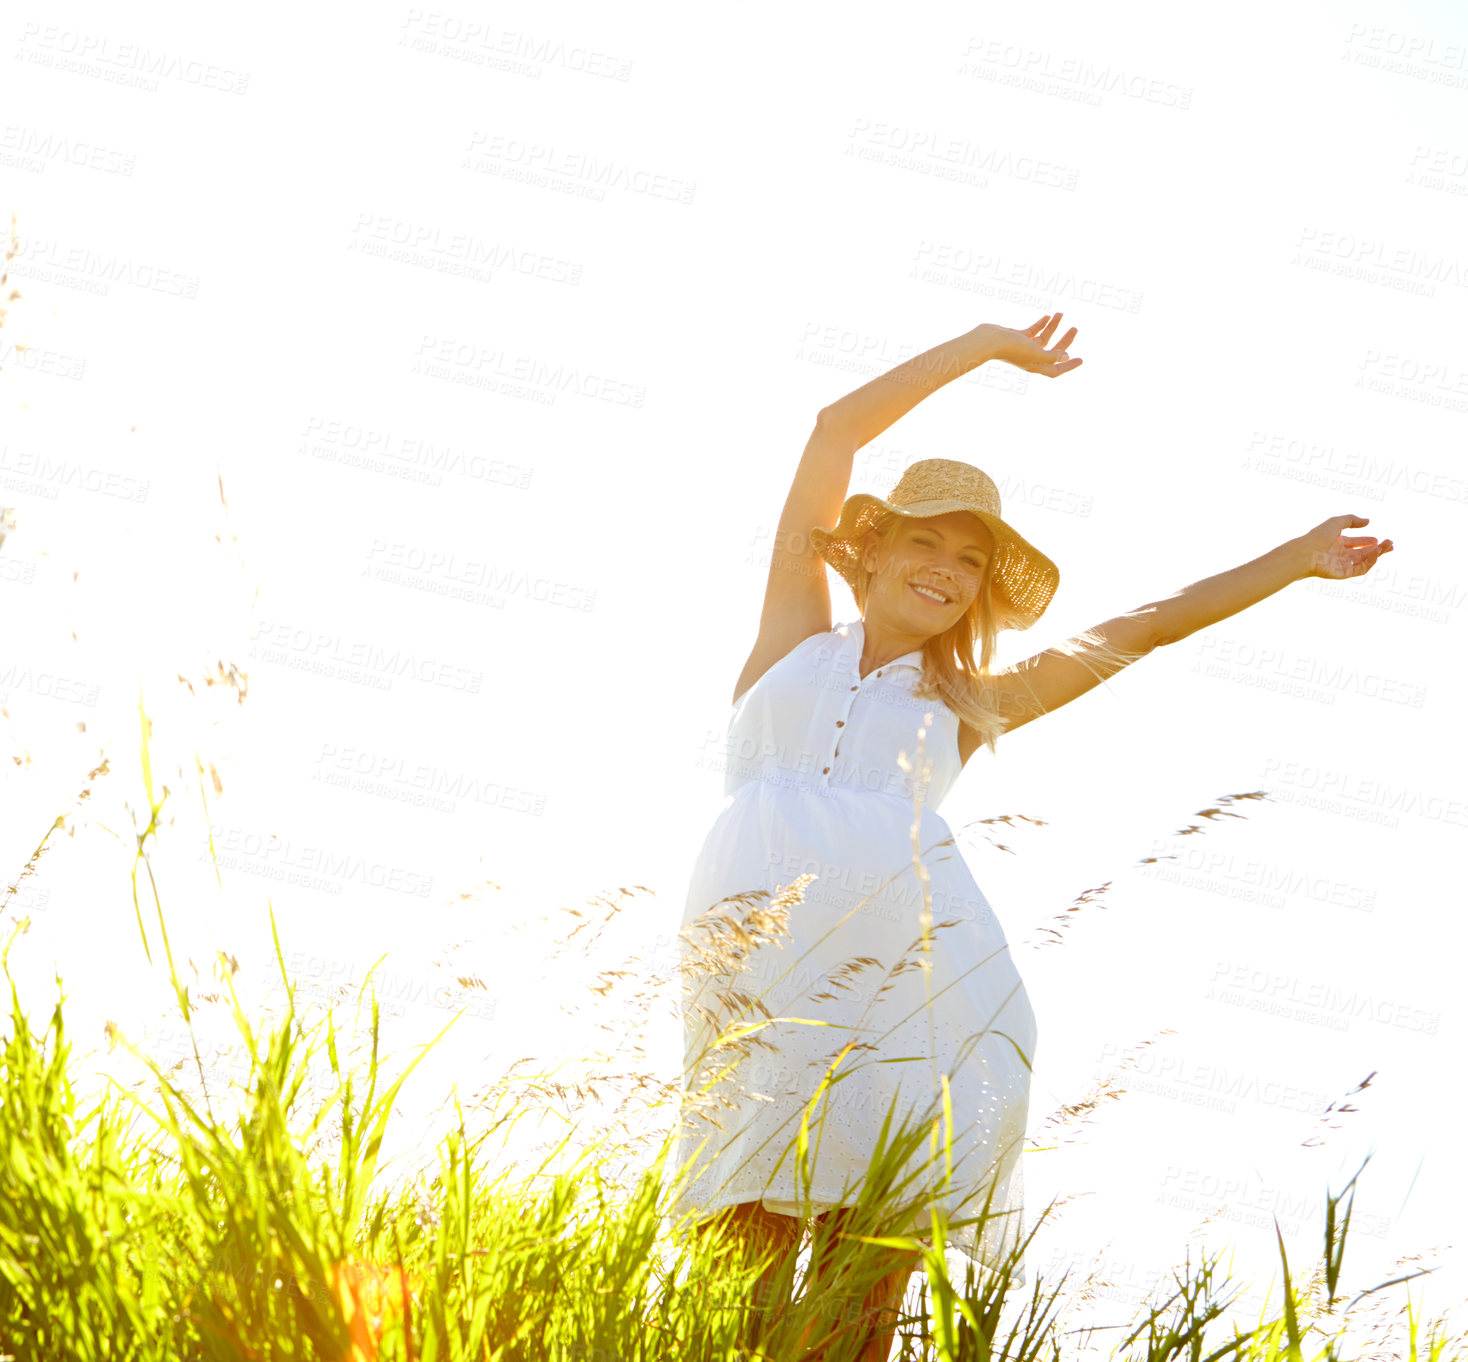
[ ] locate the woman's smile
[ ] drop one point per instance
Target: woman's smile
(929, 593)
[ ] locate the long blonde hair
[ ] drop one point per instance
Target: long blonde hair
(951, 673)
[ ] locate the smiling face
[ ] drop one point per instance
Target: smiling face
(928, 574)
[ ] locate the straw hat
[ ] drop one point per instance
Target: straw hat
(1023, 580)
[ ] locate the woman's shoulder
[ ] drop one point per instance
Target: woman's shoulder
(823, 641)
(814, 650)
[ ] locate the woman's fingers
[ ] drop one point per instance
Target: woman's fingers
(1056, 370)
(1058, 351)
(1044, 358)
(1043, 329)
(1061, 361)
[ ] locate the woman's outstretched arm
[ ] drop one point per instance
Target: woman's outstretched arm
(863, 415)
(1043, 683)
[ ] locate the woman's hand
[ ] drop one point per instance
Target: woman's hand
(1026, 349)
(1329, 552)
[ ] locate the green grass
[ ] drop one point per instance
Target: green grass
(156, 1224)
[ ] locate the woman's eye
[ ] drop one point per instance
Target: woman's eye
(923, 542)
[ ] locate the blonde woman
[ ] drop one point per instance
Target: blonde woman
(825, 716)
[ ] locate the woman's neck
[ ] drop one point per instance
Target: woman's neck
(879, 646)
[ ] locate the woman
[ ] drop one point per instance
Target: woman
(895, 991)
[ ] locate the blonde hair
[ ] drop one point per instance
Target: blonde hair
(951, 673)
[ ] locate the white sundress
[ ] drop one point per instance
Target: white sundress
(813, 785)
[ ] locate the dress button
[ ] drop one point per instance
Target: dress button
(856, 688)
(840, 723)
(827, 771)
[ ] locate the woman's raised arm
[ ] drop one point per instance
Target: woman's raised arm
(797, 596)
(866, 413)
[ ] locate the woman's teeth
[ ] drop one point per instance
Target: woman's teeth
(929, 594)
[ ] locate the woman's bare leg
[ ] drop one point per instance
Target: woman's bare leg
(759, 1231)
(883, 1309)
(876, 1320)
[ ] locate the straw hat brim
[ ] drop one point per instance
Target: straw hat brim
(1023, 579)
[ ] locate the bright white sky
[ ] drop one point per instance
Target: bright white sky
(605, 268)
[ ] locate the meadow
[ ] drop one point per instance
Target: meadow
(164, 1220)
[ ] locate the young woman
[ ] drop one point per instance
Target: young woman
(823, 781)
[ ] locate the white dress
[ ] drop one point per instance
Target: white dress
(813, 785)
